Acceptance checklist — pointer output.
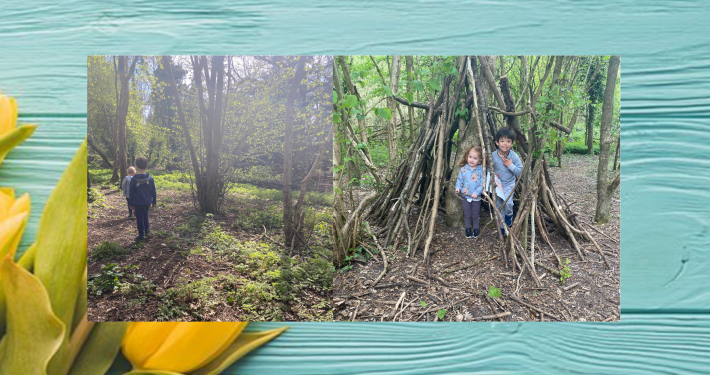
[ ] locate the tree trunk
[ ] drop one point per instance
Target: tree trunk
(288, 149)
(618, 150)
(392, 126)
(114, 127)
(605, 190)
(122, 113)
(167, 64)
(590, 128)
(98, 151)
(410, 64)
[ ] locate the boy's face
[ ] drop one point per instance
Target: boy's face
(504, 144)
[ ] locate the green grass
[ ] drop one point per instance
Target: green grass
(108, 250)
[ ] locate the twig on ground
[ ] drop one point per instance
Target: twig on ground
(598, 231)
(356, 310)
(490, 317)
(518, 300)
(570, 286)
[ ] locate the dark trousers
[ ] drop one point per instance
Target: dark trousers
(142, 219)
(470, 212)
(128, 202)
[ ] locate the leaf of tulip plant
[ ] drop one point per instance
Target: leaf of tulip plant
(245, 343)
(60, 248)
(14, 138)
(100, 349)
(34, 333)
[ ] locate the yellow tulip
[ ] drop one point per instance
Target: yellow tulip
(10, 134)
(194, 347)
(13, 217)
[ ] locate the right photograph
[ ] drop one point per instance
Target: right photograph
(476, 188)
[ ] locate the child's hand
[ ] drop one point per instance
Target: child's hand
(133, 207)
(507, 162)
(474, 195)
(457, 190)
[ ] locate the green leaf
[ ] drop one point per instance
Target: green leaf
(410, 97)
(350, 101)
(34, 333)
(13, 138)
(336, 117)
(60, 257)
(493, 292)
(245, 343)
(422, 303)
(335, 97)
(347, 159)
(418, 85)
(385, 113)
(387, 89)
(441, 313)
(100, 349)
(434, 84)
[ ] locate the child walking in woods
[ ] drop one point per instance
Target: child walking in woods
(507, 167)
(141, 194)
(125, 184)
(470, 184)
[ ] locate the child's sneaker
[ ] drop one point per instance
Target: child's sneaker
(139, 239)
(476, 232)
(469, 234)
(147, 233)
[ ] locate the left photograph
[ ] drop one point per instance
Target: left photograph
(209, 188)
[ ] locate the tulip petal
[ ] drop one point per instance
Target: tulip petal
(20, 205)
(8, 113)
(246, 342)
(10, 233)
(152, 372)
(100, 349)
(143, 339)
(34, 333)
(192, 345)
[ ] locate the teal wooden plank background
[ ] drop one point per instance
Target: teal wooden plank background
(665, 70)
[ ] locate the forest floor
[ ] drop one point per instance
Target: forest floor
(590, 293)
(228, 267)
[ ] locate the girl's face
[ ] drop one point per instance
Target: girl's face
(473, 158)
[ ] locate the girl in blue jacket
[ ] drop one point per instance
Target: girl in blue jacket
(470, 184)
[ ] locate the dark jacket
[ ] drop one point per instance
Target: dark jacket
(142, 190)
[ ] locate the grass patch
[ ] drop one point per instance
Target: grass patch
(108, 250)
(188, 299)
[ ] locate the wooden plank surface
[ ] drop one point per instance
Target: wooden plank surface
(665, 65)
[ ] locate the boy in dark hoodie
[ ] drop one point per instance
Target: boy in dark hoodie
(142, 194)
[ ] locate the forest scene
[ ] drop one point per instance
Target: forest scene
(238, 149)
(406, 128)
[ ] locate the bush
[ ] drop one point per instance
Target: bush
(108, 250)
(379, 154)
(95, 198)
(579, 148)
(108, 279)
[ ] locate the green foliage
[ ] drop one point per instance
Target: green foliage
(422, 303)
(95, 198)
(271, 218)
(565, 272)
(108, 279)
(108, 250)
(192, 298)
(441, 314)
(580, 148)
(493, 292)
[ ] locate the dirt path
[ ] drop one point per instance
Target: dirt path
(194, 268)
(591, 293)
